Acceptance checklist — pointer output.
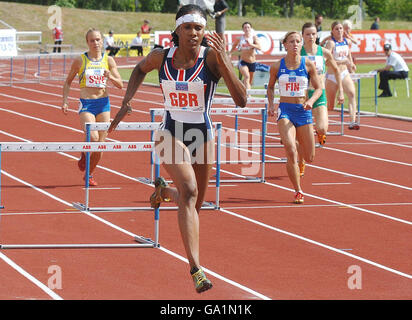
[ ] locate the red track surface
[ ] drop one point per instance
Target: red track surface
(259, 245)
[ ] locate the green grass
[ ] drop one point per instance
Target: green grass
(399, 106)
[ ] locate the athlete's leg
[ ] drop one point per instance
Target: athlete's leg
(252, 74)
(203, 169)
(349, 89)
(304, 135)
(320, 114)
(331, 89)
(244, 70)
(175, 158)
(287, 133)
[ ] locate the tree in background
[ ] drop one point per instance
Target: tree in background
(334, 9)
(390, 9)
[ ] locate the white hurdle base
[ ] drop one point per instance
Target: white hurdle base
(143, 242)
(148, 244)
(80, 206)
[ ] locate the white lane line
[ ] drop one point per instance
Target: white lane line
(386, 129)
(320, 198)
(103, 188)
(368, 156)
(375, 264)
(28, 276)
(328, 200)
(329, 183)
(379, 141)
(37, 213)
(248, 219)
(231, 173)
(48, 194)
(322, 205)
(140, 100)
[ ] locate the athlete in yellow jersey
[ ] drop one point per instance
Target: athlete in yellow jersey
(93, 68)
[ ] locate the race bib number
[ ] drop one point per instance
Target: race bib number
(95, 78)
(318, 61)
(182, 95)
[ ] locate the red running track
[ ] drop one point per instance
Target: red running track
(356, 220)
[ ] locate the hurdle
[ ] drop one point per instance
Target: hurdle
(238, 111)
(229, 101)
(144, 242)
(104, 126)
(34, 68)
(155, 167)
(357, 77)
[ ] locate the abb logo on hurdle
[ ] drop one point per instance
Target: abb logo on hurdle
(118, 147)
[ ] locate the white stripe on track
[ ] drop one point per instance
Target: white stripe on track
(369, 157)
(342, 203)
(327, 200)
(378, 265)
(379, 141)
(28, 276)
(270, 227)
(311, 165)
(48, 194)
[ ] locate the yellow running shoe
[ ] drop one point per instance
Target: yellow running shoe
(156, 198)
(302, 166)
(201, 282)
(299, 197)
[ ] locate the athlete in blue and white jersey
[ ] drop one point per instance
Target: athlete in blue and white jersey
(188, 95)
(188, 74)
(294, 116)
(342, 55)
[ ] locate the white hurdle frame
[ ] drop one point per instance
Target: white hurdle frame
(85, 147)
(236, 111)
(137, 126)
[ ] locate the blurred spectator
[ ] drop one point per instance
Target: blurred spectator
(58, 38)
(375, 24)
(219, 13)
(137, 44)
(318, 25)
(400, 70)
(110, 45)
(145, 28)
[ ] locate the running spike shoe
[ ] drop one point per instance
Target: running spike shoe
(156, 198)
(299, 199)
(92, 182)
(201, 282)
(321, 139)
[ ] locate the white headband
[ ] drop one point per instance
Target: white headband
(191, 18)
